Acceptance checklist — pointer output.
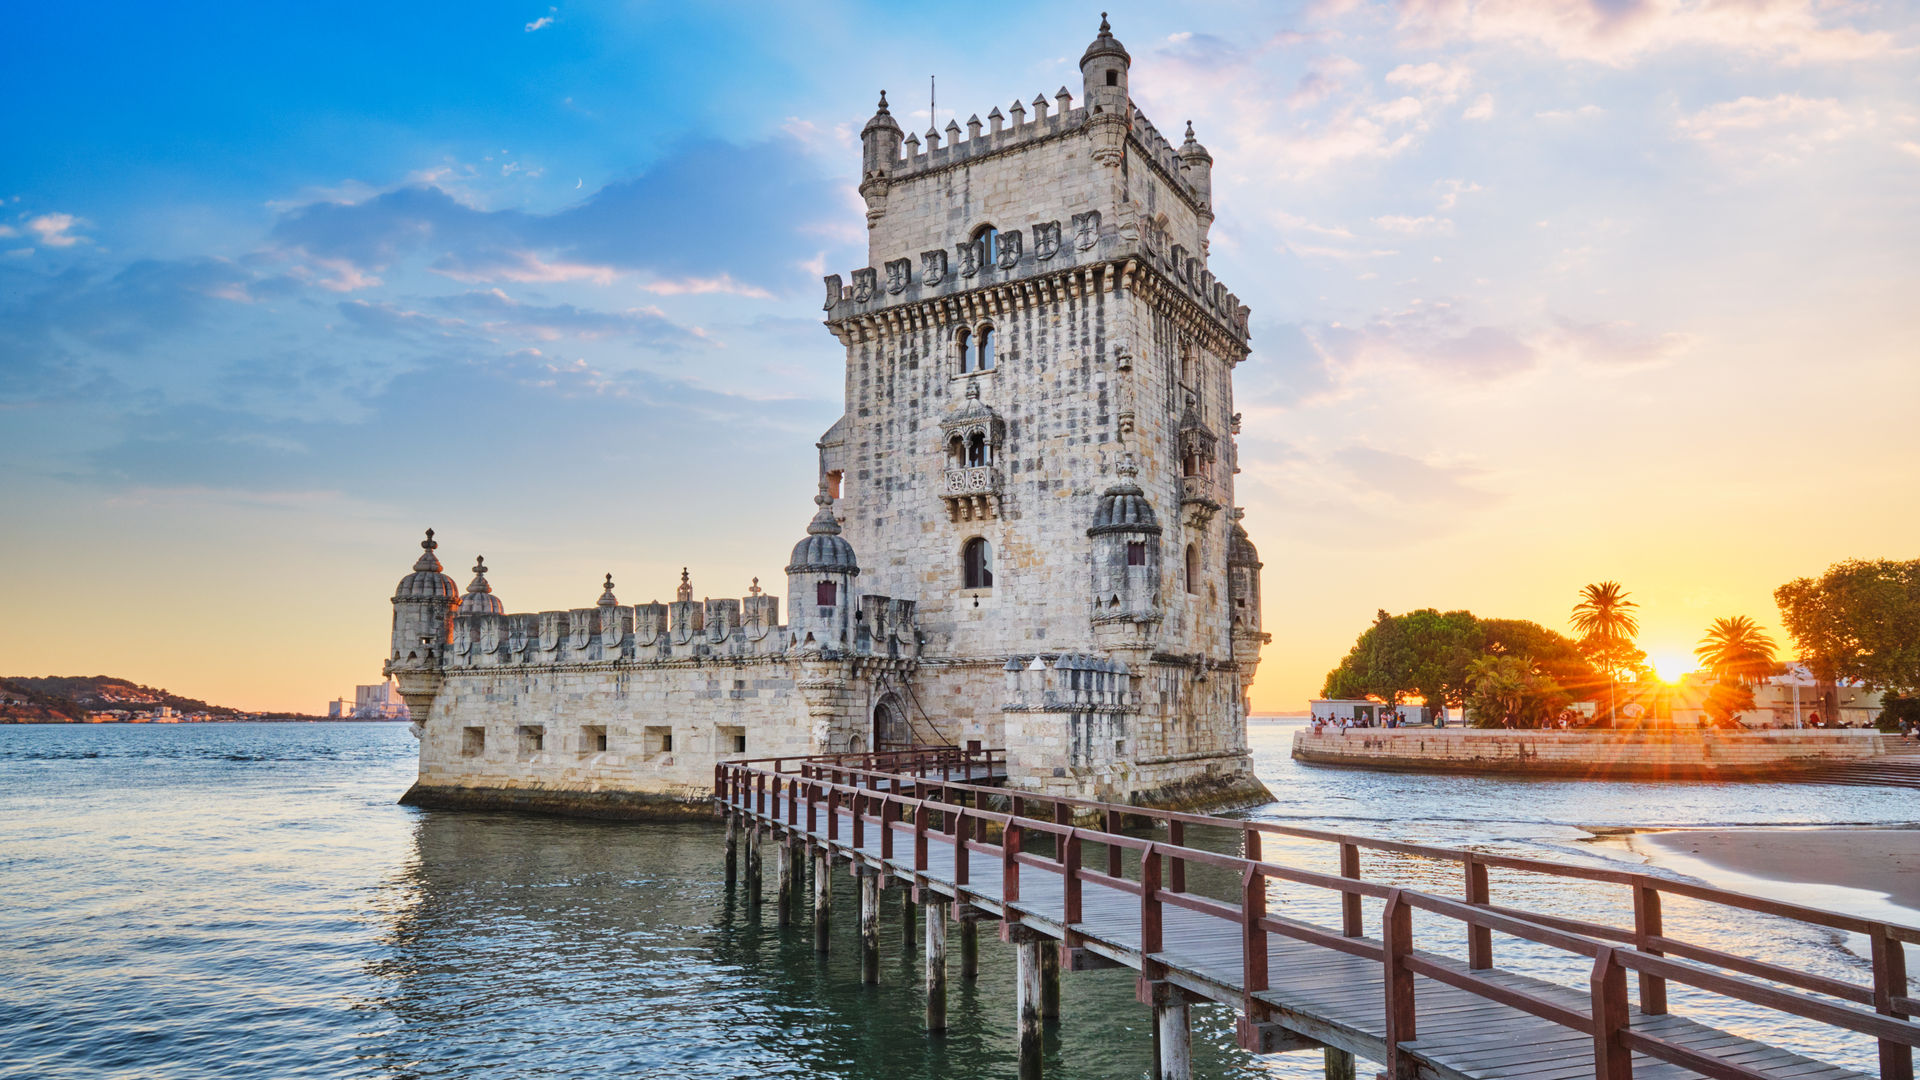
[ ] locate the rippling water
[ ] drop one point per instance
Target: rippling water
(247, 900)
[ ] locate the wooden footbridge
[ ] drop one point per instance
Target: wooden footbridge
(1080, 885)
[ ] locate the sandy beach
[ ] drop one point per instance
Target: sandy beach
(1878, 860)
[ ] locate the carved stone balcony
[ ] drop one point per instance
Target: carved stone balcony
(972, 493)
(1200, 499)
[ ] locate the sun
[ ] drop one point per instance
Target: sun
(1670, 666)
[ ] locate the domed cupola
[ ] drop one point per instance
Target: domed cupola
(1106, 46)
(879, 154)
(824, 551)
(427, 582)
(480, 599)
(1103, 76)
(1124, 507)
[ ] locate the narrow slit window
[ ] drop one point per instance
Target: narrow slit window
(1193, 569)
(963, 345)
(1136, 553)
(826, 594)
(986, 349)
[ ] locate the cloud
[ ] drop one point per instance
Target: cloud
(708, 210)
(1444, 81)
(1325, 76)
(1414, 225)
(1616, 344)
(1584, 112)
(55, 230)
(1430, 337)
(1409, 481)
(1481, 109)
(695, 286)
(497, 313)
(46, 317)
(1782, 129)
(543, 21)
(1621, 32)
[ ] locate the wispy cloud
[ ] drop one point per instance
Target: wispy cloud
(543, 21)
(1608, 32)
(56, 230)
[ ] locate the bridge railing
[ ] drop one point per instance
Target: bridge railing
(811, 794)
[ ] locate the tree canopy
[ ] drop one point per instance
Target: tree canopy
(1430, 654)
(1859, 620)
(1605, 621)
(1736, 650)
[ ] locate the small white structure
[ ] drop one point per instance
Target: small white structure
(1363, 712)
(1792, 699)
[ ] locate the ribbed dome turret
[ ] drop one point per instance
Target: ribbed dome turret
(1240, 549)
(882, 119)
(824, 550)
(1106, 45)
(1124, 507)
(427, 582)
(480, 599)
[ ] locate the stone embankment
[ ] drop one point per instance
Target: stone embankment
(1599, 755)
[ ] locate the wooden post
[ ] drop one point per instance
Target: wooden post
(1027, 992)
(733, 847)
(1049, 982)
(1479, 938)
(1173, 1034)
(869, 926)
(783, 887)
(937, 965)
(1177, 867)
(969, 949)
(795, 852)
(753, 866)
(1397, 936)
(1889, 982)
(822, 898)
(908, 909)
(1611, 1060)
(1646, 926)
(1350, 902)
(1339, 1063)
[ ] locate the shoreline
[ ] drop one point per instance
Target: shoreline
(1873, 871)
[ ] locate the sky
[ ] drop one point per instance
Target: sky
(1544, 292)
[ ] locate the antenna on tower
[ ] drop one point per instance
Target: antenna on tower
(933, 118)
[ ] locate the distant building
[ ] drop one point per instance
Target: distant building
(1792, 699)
(375, 701)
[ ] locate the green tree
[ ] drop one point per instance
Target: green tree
(1553, 653)
(1423, 653)
(1860, 620)
(1605, 621)
(1736, 650)
(1511, 691)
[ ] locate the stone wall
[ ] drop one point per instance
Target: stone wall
(1594, 755)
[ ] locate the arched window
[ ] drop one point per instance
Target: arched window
(956, 453)
(1193, 569)
(963, 345)
(988, 238)
(976, 561)
(984, 353)
(977, 450)
(1190, 463)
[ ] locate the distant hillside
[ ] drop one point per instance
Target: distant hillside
(75, 698)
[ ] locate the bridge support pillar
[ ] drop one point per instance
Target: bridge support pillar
(907, 911)
(795, 852)
(1339, 1064)
(753, 867)
(1172, 1033)
(1050, 983)
(1029, 977)
(784, 885)
(822, 898)
(937, 966)
(869, 925)
(969, 949)
(733, 848)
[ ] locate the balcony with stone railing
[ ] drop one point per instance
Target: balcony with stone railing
(972, 493)
(1200, 499)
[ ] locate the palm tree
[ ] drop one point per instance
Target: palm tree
(1605, 622)
(1736, 649)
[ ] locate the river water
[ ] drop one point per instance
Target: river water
(246, 900)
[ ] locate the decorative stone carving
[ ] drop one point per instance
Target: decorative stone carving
(1046, 239)
(833, 291)
(1179, 257)
(490, 635)
(1009, 249)
(933, 267)
(550, 623)
(969, 258)
(580, 631)
(1086, 230)
(864, 285)
(898, 271)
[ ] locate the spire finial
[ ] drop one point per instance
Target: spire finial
(607, 599)
(427, 561)
(1104, 28)
(428, 542)
(1189, 131)
(883, 101)
(755, 589)
(479, 564)
(685, 592)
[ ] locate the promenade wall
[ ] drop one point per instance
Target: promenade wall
(1676, 755)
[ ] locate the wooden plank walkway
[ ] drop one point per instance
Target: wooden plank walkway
(1297, 984)
(1332, 998)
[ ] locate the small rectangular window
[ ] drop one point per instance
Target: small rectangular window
(593, 740)
(533, 740)
(826, 594)
(833, 484)
(1136, 553)
(1113, 78)
(730, 740)
(473, 742)
(658, 740)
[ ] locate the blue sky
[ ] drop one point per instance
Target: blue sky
(1543, 292)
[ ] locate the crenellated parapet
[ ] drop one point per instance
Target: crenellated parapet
(1069, 683)
(943, 284)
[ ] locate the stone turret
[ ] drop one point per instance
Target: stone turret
(879, 156)
(1243, 599)
(1126, 564)
(820, 577)
(480, 599)
(423, 608)
(1197, 165)
(1103, 71)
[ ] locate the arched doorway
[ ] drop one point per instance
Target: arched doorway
(891, 729)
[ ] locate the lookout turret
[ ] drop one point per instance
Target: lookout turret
(1103, 72)
(423, 607)
(820, 582)
(879, 156)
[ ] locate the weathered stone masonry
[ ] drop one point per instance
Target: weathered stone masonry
(1025, 534)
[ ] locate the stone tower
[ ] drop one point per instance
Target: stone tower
(1038, 437)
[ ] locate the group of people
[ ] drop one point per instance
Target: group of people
(1390, 718)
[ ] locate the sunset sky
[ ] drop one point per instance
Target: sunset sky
(1543, 293)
